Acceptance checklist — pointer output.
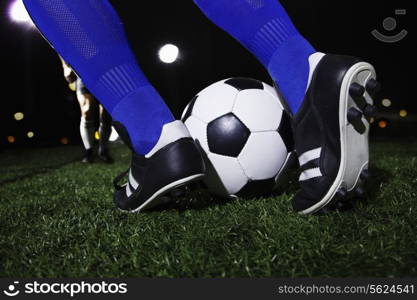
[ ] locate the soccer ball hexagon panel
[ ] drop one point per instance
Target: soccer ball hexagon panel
(245, 134)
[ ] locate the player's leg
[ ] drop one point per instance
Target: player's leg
(87, 124)
(264, 28)
(104, 132)
(90, 37)
(329, 95)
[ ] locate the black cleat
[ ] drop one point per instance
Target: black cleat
(360, 192)
(365, 175)
(157, 177)
(178, 193)
(105, 157)
(324, 211)
(331, 133)
(88, 157)
(342, 194)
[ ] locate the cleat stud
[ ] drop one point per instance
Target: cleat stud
(165, 200)
(355, 118)
(360, 192)
(195, 186)
(356, 90)
(370, 111)
(360, 102)
(342, 193)
(177, 193)
(373, 87)
(339, 205)
(354, 115)
(365, 175)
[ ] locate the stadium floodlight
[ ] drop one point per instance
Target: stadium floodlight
(19, 14)
(169, 53)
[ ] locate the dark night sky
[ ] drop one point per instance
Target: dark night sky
(32, 81)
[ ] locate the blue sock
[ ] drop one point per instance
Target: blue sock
(265, 29)
(90, 37)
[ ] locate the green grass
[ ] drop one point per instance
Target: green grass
(57, 219)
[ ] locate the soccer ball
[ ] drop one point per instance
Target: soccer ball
(245, 134)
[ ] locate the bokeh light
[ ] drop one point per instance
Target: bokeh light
(386, 102)
(403, 113)
(382, 124)
(64, 141)
(30, 134)
(97, 135)
(11, 139)
(19, 116)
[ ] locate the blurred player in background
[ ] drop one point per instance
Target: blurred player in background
(89, 106)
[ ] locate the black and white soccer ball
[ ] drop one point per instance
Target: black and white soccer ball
(244, 132)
